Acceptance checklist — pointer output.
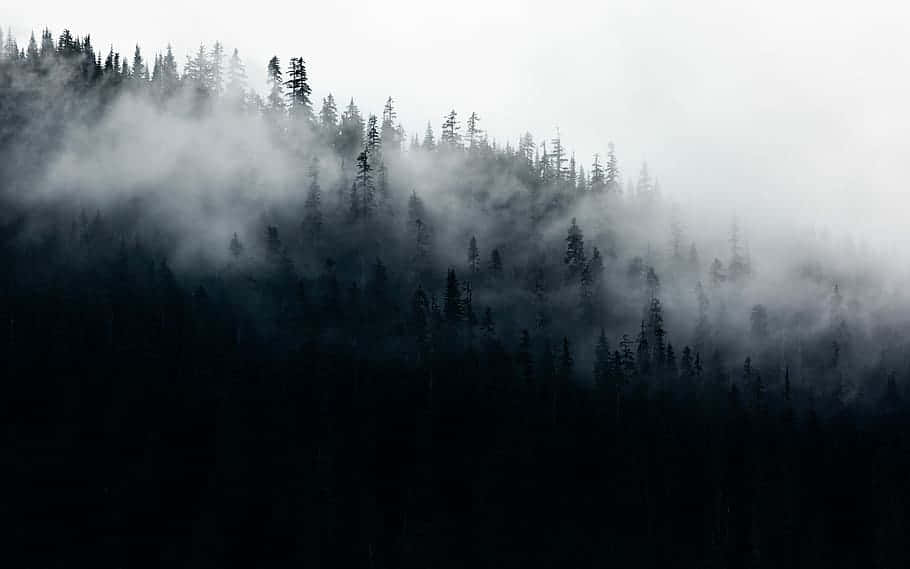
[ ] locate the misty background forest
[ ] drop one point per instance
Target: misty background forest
(244, 329)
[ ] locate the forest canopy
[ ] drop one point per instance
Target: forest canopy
(204, 279)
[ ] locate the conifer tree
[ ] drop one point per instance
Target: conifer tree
(644, 186)
(390, 134)
(373, 142)
(474, 134)
(198, 72)
(597, 175)
(312, 220)
(351, 130)
(495, 263)
(235, 247)
(429, 141)
(140, 74)
(574, 259)
(611, 171)
(450, 137)
(366, 189)
(656, 330)
(216, 68)
(299, 105)
(47, 44)
(236, 87)
(31, 52)
(473, 256)
(275, 99)
(328, 117)
(687, 369)
(453, 309)
(558, 159)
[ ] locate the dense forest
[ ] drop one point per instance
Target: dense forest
(247, 330)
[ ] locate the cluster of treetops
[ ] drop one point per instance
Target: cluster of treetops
(543, 312)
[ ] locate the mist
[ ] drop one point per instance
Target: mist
(698, 244)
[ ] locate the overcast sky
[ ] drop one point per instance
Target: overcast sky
(778, 98)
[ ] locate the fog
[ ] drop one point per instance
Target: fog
(741, 119)
(240, 325)
(797, 109)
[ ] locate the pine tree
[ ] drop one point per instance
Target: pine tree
(526, 150)
(351, 130)
(581, 181)
(453, 308)
(31, 52)
(312, 220)
(11, 48)
(474, 134)
(656, 329)
(66, 45)
(366, 189)
(450, 138)
(373, 142)
(275, 99)
(47, 44)
(429, 141)
(596, 266)
(686, 365)
(644, 186)
(628, 355)
(236, 81)
(737, 267)
(495, 263)
(643, 351)
(216, 68)
(170, 81)
(558, 159)
(597, 175)
(328, 118)
(572, 174)
(467, 303)
(198, 72)
(390, 134)
(611, 172)
(236, 248)
(140, 71)
(575, 252)
(473, 256)
(298, 94)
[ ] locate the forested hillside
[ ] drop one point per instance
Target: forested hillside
(242, 329)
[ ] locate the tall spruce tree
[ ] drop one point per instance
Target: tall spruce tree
(298, 91)
(574, 259)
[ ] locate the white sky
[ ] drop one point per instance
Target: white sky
(780, 98)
